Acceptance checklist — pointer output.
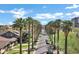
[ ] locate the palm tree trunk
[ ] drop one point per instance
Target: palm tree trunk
(29, 40)
(54, 41)
(66, 44)
(20, 40)
(32, 37)
(50, 38)
(58, 41)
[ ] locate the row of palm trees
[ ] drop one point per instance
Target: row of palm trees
(54, 27)
(31, 26)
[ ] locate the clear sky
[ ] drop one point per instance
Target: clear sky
(41, 12)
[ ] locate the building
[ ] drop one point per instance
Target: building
(75, 22)
(7, 41)
(6, 44)
(9, 34)
(3, 45)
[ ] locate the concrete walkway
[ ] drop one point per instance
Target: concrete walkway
(41, 46)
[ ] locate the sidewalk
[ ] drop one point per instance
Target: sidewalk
(41, 46)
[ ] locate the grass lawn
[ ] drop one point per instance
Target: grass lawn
(73, 42)
(15, 50)
(24, 46)
(76, 29)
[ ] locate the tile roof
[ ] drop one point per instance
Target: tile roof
(5, 41)
(9, 34)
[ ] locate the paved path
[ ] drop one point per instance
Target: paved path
(41, 46)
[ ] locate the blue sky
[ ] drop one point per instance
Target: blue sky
(41, 12)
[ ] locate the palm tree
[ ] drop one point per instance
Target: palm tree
(57, 26)
(25, 24)
(36, 30)
(19, 23)
(29, 21)
(51, 28)
(67, 26)
(54, 39)
(50, 31)
(32, 35)
(54, 32)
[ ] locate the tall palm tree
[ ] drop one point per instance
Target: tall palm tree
(50, 31)
(25, 24)
(36, 30)
(67, 26)
(29, 39)
(19, 23)
(57, 25)
(29, 21)
(54, 40)
(32, 35)
(54, 32)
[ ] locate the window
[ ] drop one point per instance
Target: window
(78, 20)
